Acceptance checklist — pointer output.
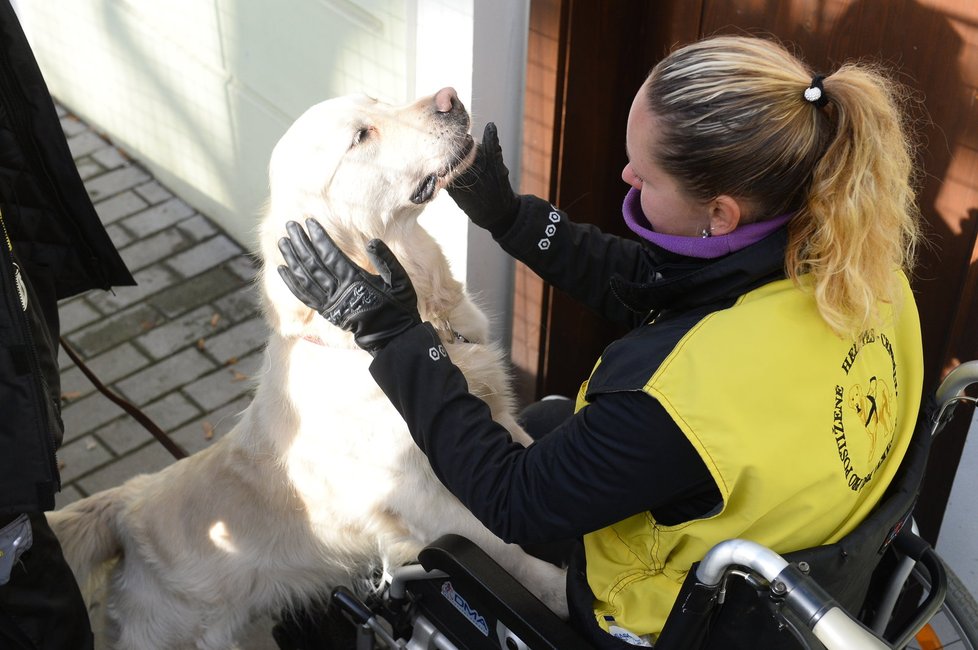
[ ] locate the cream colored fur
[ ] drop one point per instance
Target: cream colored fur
(319, 483)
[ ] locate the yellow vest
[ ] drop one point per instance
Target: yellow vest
(801, 430)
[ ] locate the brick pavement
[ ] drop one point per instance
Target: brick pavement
(183, 345)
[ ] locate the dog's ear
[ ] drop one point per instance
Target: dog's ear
(307, 155)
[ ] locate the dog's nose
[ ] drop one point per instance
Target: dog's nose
(446, 100)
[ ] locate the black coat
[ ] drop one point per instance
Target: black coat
(53, 247)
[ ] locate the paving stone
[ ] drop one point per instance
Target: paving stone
(226, 384)
(238, 341)
(118, 235)
(161, 378)
(87, 414)
(245, 267)
(68, 494)
(188, 270)
(205, 431)
(163, 341)
(76, 313)
(72, 126)
(115, 181)
(80, 457)
(85, 143)
(198, 227)
(240, 304)
(152, 249)
(109, 367)
(125, 434)
(205, 256)
(64, 361)
(119, 206)
(153, 192)
(88, 168)
(115, 329)
(150, 458)
(109, 157)
(196, 291)
(158, 217)
(148, 281)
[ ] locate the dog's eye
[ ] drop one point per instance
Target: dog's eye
(361, 135)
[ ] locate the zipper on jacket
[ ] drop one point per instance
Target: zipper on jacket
(21, 287)
(39, 383)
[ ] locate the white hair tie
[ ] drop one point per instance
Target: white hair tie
(815, 93)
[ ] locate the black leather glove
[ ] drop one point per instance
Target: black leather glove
(483, 190)
(376, 308)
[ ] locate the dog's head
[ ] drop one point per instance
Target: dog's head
(363, 169)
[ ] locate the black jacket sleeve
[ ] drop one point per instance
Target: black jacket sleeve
(619, 456)
(577, 258)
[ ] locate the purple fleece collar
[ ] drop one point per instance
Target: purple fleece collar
(701, 247)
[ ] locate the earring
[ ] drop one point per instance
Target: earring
(707, 232)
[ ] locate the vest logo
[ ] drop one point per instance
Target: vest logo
(457, 601)
(550, 230)
(864, 408)
(437, 352)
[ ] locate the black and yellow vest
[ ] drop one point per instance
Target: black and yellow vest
(801, 430)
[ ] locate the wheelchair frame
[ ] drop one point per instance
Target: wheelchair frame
(457, 598)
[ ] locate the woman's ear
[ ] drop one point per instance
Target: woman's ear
(725, 214)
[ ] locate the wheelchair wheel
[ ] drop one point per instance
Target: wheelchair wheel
(955, 625)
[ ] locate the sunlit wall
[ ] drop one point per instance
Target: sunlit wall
(199, 91)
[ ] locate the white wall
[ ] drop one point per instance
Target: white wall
(199, 91)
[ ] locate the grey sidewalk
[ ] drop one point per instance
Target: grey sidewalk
(183, 345)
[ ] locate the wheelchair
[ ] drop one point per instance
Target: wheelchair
(881, 586)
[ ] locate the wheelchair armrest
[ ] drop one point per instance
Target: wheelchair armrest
(473, 571)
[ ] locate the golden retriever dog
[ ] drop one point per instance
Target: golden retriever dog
(319, 484)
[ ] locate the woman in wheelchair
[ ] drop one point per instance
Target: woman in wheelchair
(771, 379)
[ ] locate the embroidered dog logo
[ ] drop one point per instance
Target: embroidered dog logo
(873, 407)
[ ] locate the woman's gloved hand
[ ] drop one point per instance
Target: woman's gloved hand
(483, 190)
(375, 308)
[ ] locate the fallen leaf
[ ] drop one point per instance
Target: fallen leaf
(231, 361)
(75, 394)
(90, 444)
(147, 325)
(215, 319)
(208, 430)
(201, 344)
(62, 465)
(239, 376)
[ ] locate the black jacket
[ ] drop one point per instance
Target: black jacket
(620, 456)
(53, 246)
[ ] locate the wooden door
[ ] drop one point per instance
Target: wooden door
(599, 52)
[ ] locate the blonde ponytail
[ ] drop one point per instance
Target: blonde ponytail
(860, 221)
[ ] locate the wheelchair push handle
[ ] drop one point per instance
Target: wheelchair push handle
(807, 601)
(949, 393)
(957, 380)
